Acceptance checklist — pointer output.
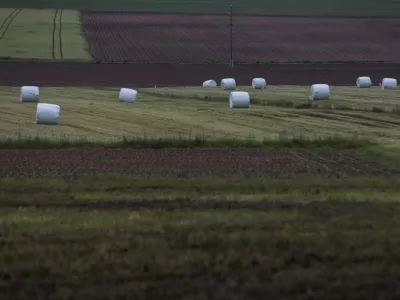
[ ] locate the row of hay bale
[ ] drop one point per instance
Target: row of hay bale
(236, 99)
(317, 91)
(230, 83)
(46, 113)
(260, 83)
(386, 84)
(322, 91)
(49, 114)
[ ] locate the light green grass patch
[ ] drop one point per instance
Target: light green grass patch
(30, 36)
(114, 189)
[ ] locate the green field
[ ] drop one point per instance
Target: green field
(268, 7)
(200, 239)
(189, 112)
(33, 34)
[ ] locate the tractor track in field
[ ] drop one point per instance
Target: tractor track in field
(8, 21)
(57, 34)
(187, 163)
(60, 34)
(53, 51)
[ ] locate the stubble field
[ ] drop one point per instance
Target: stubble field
(188, 112)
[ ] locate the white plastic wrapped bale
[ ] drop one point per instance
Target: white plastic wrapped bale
(29, 94)
(228, 84)
(239, 100)
(364, 82)
(259, 84)
(389, 84)
(319, 92)
(209, 83)
(47, 114)
(127, 95)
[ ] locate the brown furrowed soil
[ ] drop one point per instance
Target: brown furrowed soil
(188, 163)
(148, 75)
(178, 38)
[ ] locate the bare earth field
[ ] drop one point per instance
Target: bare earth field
(175, 38)
(188, 163)
(148, 75)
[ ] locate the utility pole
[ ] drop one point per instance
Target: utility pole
(231, 37)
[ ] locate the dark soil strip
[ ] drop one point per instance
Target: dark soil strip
(63, 73)
(184, 163)
(53, 45)
(317, 209)
(10, 18)
(60, 33)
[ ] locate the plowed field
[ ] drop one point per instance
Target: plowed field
(174, 38)
(190, 163)
(148, 75)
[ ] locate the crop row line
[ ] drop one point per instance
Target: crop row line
(57, 21)
(8, 21)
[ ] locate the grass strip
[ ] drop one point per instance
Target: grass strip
(154, 143)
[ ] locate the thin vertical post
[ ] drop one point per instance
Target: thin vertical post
(231, 37)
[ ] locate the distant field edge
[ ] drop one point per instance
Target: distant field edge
(240, 63)
(62, 142)
(217, 10)
(255, 14)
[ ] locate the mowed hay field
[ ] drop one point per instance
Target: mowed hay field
(190, 112)
(179, 38)
(49, 34)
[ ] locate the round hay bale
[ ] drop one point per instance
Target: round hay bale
(47, 114)
(389, 84)
(364, 82)
(319, 92)
(210, 83)
(239, 100)
(29, 94)
(259, 83)
(127, 95)
(228, 84)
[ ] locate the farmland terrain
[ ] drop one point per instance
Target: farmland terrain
(177, 196)
(169, 38)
